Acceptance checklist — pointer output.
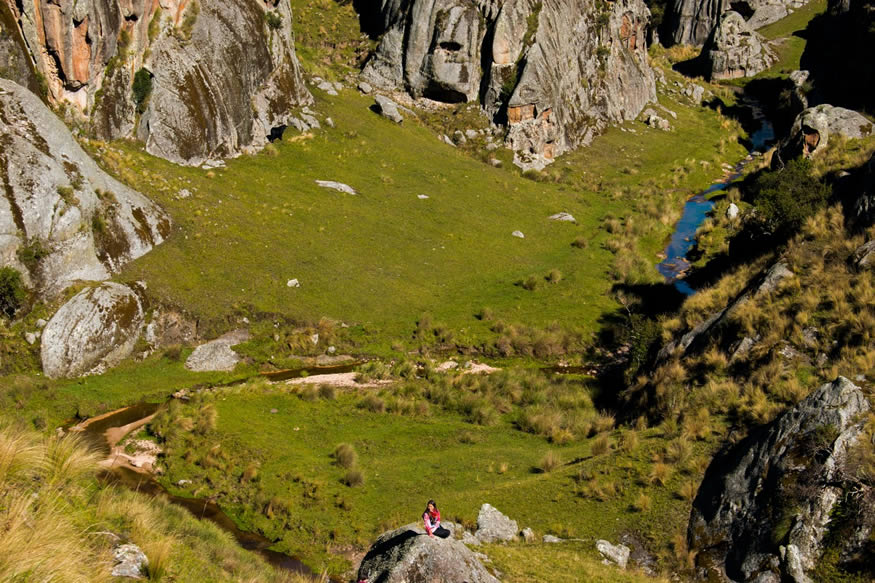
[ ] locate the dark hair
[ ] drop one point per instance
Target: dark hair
(433, 503)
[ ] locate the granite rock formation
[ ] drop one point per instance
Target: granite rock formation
(62, 218)
(765, 504)
(735, 50)
(556, 72)
(92, 332)
(212, 78)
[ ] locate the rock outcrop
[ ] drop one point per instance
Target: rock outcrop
(217, 354)
(493, 526)
(734, 50)
(92, 332)
(62, 218)
(557, 72)
(408, 555)
(194, 80)
(692, 21)
(14, 58)
(813, 128)
(764, 506)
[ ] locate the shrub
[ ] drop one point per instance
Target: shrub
(32, 253)
(345, 455)
(12, 291)
(142, 88)
(549, 462)
(273, 19)
(785, 198)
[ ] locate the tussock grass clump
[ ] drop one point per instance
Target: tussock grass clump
(345, 455)
(354, 478)
(549, 462)
(642, 503)
(373, 403)
(601, 445)
(554, 276)
(660, 472)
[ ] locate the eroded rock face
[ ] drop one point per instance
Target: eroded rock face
(813, 127)
(764, 506)
(14, 57)
(559, 71)
(408, 555)
(222, 73)
(92, 332)
(62, 218)
(493, 526)
(692, 21)
(734, 50)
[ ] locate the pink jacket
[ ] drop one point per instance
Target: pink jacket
(432, 521)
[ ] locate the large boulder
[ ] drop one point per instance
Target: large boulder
(765, 504)
(221, 74)
(14, 57)
(557, 72)
(734, 50)
(92, 332)
(408, 555)
(62, 218)
(813, 128)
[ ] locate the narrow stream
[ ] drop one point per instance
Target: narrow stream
(675, 265)
(96, 436)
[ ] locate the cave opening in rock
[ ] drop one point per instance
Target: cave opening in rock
(444, 94)
(451, 46)
(743, 8)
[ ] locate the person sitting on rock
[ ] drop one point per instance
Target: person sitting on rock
(432, 519)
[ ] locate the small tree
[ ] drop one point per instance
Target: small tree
(12, 291)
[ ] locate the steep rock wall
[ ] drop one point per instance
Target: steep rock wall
(222, 73)
(557, 72)
(692, 21)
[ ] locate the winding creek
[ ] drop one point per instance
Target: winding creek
(675, 265)
(102, 433)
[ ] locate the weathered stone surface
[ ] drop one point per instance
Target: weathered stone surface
(388, 108)
(734, 50)
(130, 561)
(864, 256)
(559, 71)
(563, 217)
(339, 186)
(217, 355)
(223, 75)
(170, 328)
(408, 555)
(692, 21)
(14, 57)
(86, 224)
(92, 332)
(493, 526)
(788, 466)
(618, 554)
(813, 128)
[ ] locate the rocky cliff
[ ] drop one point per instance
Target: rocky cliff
(692, 21)
(193, 79)
(765, 504)
(557, 72)
(62, 218)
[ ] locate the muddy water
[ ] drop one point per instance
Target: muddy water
(675, 265)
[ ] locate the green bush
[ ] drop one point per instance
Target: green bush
(12, 291)
(32, 253)
(785, 198)
(274, 20)
(142, 88)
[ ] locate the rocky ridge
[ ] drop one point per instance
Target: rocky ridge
(193, 80)
(735, 50)
(691, 22)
